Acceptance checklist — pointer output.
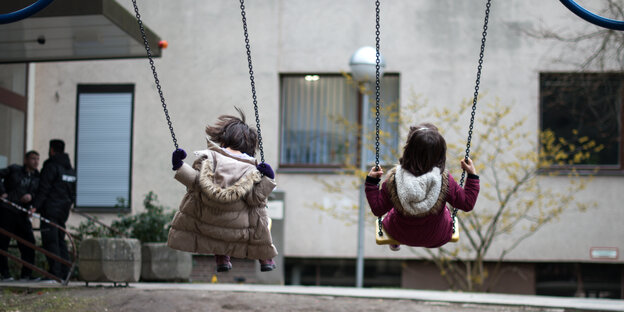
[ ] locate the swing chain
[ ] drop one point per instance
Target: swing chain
(251, 77)
(474, 99)
(156, 80)
(377, 88)
(377, 82)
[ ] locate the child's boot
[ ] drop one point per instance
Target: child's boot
(223, 263)
(395, 247)
(267, 265)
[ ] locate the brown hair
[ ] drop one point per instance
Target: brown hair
(231, 131)
(425, 148)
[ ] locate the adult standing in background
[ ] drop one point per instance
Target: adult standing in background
(54, 199)
(19, 185)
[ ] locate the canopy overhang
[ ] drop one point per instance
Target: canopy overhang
(71, 30)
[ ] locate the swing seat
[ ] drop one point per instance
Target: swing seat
(455, 237)
(384, 238)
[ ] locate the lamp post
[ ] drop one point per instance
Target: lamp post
(363, 65)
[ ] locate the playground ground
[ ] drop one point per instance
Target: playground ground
(155, 297)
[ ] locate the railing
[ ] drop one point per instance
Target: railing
(71, 264)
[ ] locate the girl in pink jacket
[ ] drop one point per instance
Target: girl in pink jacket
(415, 192)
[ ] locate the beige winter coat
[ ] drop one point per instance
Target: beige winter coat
(224, 210)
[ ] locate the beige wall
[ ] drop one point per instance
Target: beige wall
(433, 45)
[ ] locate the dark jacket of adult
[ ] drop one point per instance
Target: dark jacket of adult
(57, 188)
(17, 182)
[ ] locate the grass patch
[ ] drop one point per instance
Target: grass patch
(44, 300)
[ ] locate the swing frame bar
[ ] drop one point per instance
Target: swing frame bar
(25, 12)
(591, 17)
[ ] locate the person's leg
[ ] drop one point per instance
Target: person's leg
(24, 230)
(49, 240)
(63, 252)
(223, 263)
(4, 243)
(267, 265)
(4, 264)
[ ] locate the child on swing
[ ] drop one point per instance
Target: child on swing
(415, 192)
(224, 210)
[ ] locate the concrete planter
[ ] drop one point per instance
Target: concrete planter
(161, 263)
(110, 260)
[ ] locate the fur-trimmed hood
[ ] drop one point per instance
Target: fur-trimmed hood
(225, 177)
(417, 196)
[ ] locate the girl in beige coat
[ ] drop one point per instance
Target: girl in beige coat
(224, 210)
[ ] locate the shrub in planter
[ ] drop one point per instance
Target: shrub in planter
(150, 227)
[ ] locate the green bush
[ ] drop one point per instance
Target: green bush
(149, 226)
(91, 228)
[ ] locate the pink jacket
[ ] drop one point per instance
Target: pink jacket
(426, 230)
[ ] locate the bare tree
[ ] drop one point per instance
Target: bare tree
(515, 202)
(604, 48)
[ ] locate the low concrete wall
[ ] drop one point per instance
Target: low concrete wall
(110, 260)
(161, 263)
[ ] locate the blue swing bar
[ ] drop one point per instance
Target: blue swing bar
(24, 13)
(591, 17)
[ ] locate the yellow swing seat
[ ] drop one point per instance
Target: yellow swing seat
(382, 238)
(455, 237)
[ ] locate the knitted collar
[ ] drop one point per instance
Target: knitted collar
(417, 196)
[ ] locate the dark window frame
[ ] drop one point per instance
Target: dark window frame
(306, 168)
(583, 169)
(107, 88)
(19, 102)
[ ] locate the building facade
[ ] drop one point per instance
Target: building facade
(110, 115)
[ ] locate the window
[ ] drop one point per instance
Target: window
(12, 125)
(341, 272)
(13, 110)
(104, 146)
(585, 106)
(320, 115)
(591, 280)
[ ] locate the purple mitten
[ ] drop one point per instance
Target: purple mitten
(266, 170)
(176, 158)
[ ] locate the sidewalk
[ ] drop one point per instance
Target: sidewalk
(587, 304)
(584, 304)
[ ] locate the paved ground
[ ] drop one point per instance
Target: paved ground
(156, 297)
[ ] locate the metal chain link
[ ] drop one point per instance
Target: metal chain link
(474, 99)
(377, 88)
(151, 61)
(377, 83)
(251, 77)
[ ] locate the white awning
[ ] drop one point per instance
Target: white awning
(68, 30)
